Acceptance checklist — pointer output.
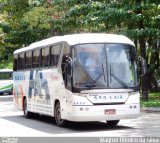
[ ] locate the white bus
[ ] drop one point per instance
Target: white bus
(57, 77)
(6, 82)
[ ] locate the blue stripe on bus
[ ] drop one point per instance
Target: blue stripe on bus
(31, 84)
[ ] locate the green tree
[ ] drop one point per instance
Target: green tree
(26, 21)
(11, 24)
(138, 19)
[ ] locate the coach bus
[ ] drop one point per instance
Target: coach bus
(78, 77)
(6, 82)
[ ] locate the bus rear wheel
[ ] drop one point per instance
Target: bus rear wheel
(26, 113)
(57, 114)
(112, 123)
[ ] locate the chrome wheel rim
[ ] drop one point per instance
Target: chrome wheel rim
(59, 121)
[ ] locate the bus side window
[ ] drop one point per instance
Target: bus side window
(15, 62)
(46, 61)
(0, 76)
(21, 61)
(7, 76)
(25, 61)
(3, 76)
(36, 55)
(45, 57)
(55, 53)
(42, 57)
(28, 60)
(52, 56)
(11, 75)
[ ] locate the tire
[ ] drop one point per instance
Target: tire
(11, 92)
(26, 113)
(112, 123)
(57, 114)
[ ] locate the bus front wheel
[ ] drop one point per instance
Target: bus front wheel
(112, 123)
(57, 114)
(26, 113)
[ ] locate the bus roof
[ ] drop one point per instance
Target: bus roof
(6, 70)
(74, 39)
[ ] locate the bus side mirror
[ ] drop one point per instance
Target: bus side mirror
(69, 73)
(70, 67)
(142, 67)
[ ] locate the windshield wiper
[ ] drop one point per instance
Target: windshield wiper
(98, 77)
(102, 73)
(119, 80)
(90, 85)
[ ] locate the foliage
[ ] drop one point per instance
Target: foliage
(7, 64)
(139, 20)
(153, 102)
(25, 21)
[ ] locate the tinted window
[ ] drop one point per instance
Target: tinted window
(28, 60)
(21, 61)
(15, 62)
(55, 53)
(36, 54)
(5, 75)
(45, 57)
(105, 66)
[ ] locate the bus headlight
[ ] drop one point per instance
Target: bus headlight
(132, 106)
(83, 108)
(86, 108)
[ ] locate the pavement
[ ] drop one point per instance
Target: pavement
(150, 109)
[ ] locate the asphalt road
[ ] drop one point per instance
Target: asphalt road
(12, 123)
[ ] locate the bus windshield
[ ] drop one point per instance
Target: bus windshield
(104, 66)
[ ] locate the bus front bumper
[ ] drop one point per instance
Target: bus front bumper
(103, 112)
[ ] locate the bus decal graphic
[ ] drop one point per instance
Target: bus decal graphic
(31, 84)
(6, 87)
(44, 86)
(37, 83)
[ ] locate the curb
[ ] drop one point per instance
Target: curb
(151, 109)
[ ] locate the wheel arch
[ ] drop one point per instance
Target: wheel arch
(55, 102)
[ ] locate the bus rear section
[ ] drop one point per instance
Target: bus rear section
(6, 82)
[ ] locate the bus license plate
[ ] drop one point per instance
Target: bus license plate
(109, 111)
